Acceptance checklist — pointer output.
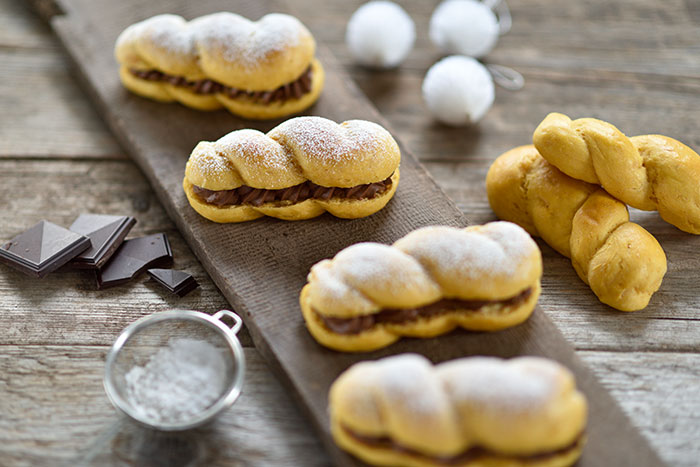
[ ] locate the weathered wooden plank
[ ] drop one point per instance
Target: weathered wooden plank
(57, 411)
(659, 391)
(20, 29)
(61, 123)
(66, 308)
(117, 187)
(64, 126)
(239, 265)
(634, 104)
(641, 36)
(471, 197)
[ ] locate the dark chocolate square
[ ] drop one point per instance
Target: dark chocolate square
(177, 282)
(133, 257)
(106, 234)
(43, 248)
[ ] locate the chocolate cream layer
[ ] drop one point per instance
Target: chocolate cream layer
(246, 195)
(470, 455)
(359, 324)
(293, 90)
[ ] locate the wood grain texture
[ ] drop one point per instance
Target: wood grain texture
(41, 322)
(58, 414)
(241, 258)
(60, 124)
(55, 408)
(633, 90)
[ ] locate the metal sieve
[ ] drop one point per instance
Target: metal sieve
(143, 338)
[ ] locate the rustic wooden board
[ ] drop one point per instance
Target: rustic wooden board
(261, 266)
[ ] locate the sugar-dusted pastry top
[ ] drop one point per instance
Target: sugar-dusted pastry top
(224, 47)
(403, 410)
(649, 172)
(496, 261)
(300, 149)
(621, 262)
(298, 170)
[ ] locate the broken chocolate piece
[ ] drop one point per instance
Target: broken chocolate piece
(42, 249)
(106, 234)
(133, 257)
(178, 282)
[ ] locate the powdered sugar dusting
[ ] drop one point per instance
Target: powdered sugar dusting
(373, 262)
(335, 292)
(209, 162)
(324, 140)
(382, 273)
(514, 240)
(407, 380)
(496, 249)
(246, 42)
(253, 146)
(169, 32)
(488, 384)
(491, 384)
(179, 382)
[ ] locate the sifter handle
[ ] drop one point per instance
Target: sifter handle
(237, 322)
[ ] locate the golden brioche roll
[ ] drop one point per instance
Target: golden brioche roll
(335, 158)
(649, 172)
(621, 262)
(427, 283)
(164, 57)
(469, 412)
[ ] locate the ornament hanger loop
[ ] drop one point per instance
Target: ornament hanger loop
(506, 77)
(500, 7)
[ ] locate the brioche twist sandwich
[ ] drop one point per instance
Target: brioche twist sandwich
(258, 70)
(298, 170)
(427, 283)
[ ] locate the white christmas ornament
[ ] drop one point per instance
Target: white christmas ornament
(465, 27)
(458, 90)
(380, 34)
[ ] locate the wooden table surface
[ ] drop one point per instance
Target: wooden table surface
(633, 62)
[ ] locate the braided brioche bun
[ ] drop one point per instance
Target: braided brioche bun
(489, 264)
(403, 410)
(227, 49)
(621, 262)
(649, 172)
(302, 149)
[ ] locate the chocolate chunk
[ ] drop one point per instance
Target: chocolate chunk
(178, 282)
(106, 234)
(133, 257)
(42, 249)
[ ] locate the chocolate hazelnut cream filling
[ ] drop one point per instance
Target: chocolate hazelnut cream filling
(472, 454)
(293, 90)
(359, 324)
(293, 194)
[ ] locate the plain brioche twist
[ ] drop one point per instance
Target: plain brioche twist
(494, 262)
(649, 172)
(315, 149)
(518, 407)
(227, 49)
(621, 262)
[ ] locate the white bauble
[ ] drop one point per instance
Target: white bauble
(458, 90)
(380, 34)
(465, 27)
